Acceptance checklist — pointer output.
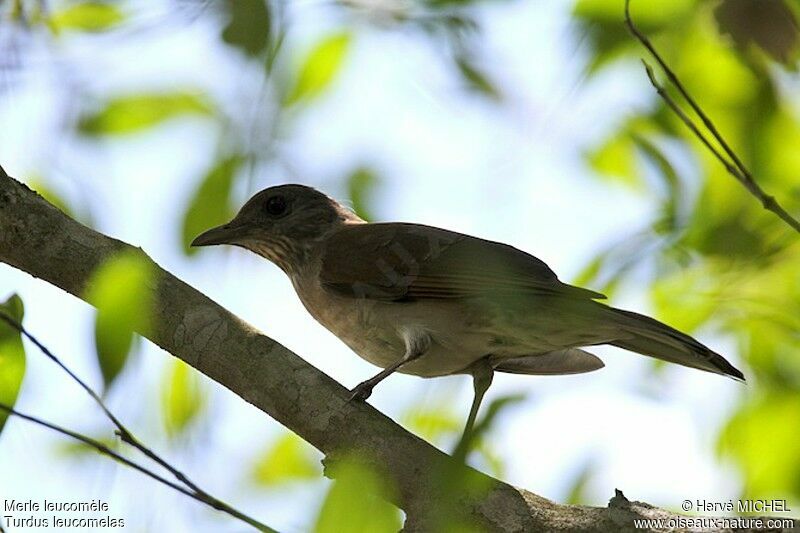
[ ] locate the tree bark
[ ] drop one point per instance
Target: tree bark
(41, 240)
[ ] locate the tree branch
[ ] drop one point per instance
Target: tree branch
(39, 239)
(734, 165)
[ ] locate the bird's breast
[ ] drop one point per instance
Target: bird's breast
(373, 329)
(355, 322)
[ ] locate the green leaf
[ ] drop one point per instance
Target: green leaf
(183, 398)
(361, 185)
(432, 423)
(577, 492)
(616, 158)
(210, 206)
(73, 449)
(121, 291)
(476, 79)
(46, 192)
(768, 24)
(319, 68)
(357, 502)
(495, 465)
(91, 17)
(249, 25)
(718, 79)
(685, 300)
(484, 425)
(134, 113)
(651, 14)
(764, 439)
(605, 27)
(289, 459)
(734, 236)
(672, 204)
(12, 355)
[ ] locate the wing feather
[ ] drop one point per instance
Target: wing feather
(399, 261)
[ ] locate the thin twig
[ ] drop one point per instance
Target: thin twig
(126, 436)
(686, 120)
(734, 165)
(100, 447)
(122, 431)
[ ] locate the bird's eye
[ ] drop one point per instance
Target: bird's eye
(276, 205)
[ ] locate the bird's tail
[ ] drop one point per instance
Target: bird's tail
(650, 337)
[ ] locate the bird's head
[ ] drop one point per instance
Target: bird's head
(281, 223)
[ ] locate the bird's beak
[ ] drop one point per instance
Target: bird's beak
(226, 234)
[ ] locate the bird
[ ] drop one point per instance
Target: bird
(431, 302)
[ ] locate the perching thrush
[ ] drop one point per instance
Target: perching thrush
(431, 302)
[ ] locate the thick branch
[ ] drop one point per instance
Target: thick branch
(37, 238)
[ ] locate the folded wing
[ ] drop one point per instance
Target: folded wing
(397, 261)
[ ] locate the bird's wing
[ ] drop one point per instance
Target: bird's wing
(398, 261)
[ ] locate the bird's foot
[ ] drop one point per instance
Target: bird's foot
(362, 391)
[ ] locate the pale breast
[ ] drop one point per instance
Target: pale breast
(354, 322)
(373, 330)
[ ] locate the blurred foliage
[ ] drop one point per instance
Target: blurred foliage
(578, 491)
(357, 500)
(43, 188)
(440, 425)
(610, 40)
(319, 68)
(248, 27)
(211, 204)
(476, 79)
(289, 459)
(767, 24)
(120, 290)
(433, 421)
(86, 17)
(47, 191)
(183, 398)
(719, 261)
(12, 355)
(762, 437)
(135, 113)
(361, 185)
(484, 424)
(75, 449)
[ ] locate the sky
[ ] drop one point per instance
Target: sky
(447, 158)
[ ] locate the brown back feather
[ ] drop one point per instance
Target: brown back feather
(399, 261)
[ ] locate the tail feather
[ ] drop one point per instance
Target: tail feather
(655, 339)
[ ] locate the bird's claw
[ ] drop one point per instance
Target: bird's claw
(361, 392)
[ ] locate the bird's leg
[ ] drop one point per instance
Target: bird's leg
(363, 390)
(482, 374)
(416, 346)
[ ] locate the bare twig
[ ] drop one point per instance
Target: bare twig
(99, 446)
(190, 489)
(122, 431)
(732, 163)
